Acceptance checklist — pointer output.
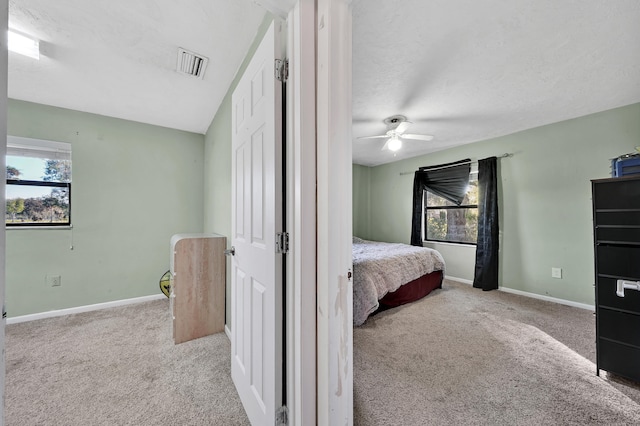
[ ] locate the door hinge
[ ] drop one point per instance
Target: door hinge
(282, 69)
(282, 242)
(282, 416)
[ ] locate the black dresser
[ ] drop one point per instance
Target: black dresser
(616, 221)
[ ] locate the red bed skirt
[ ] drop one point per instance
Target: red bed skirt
(412, 291)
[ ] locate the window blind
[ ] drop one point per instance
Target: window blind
(38, 148)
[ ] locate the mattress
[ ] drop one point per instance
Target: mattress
(380, 268)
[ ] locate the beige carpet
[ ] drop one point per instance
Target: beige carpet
(458, 357)
(466, 357)
(117, 367)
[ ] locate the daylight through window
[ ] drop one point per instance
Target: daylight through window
(38, 183)
(447, 222)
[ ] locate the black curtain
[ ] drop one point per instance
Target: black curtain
(486, 270)
(449, 181)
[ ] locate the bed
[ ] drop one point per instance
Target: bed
(389, 274)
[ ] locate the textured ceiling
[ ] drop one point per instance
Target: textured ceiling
(461, 70)
(118, 57)
(469, 70)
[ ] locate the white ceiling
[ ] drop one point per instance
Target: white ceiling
(470, 70)
(461, 70)
(118, 57)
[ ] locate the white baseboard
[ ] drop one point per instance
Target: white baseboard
(532, 295)
(86, 308)
(548, 298)
(227, 331)
(460, 280)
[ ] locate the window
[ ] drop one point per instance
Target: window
(448, 222)
(38, 183)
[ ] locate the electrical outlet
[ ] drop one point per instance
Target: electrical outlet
(53, 280)
(556, 273)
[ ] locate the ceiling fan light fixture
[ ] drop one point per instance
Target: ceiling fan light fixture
(23, 44)
(394, 144)
(396, 127)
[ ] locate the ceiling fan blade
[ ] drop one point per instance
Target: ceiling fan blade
(384, 147)
(417, 137)
(402, 127)
(373, 137)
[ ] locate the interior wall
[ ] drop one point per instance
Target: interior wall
(217, 163)
(134, 186)
(361, 200)
(544, 200)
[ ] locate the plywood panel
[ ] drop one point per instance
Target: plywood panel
(198, 286)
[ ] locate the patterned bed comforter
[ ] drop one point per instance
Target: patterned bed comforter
(380, 268)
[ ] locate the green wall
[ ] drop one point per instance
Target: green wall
(134, 185)
(361, 200)
(544, 200)
(217, 163)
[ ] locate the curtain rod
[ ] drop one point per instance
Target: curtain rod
(506, 155)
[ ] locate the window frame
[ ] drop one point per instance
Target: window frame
(426, 208)
(65, 185)
(46, 150)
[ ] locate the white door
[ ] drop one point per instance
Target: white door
(256, 275)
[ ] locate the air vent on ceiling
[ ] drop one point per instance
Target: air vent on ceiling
(191, 63)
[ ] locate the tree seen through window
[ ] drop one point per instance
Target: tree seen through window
(446, 221)
(38, 191)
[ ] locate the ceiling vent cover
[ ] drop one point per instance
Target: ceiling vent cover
(191, 63)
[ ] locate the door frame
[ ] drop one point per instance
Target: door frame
(301, 215)
(4, 17)
(319, 293)
(334, 213)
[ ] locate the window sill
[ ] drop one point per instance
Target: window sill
(449, 244)
(16, 228)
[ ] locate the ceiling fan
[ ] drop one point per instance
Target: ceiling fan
(396, 126)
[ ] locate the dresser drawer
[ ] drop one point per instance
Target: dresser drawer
(617, 194)
(607, 296)
(620, 261)
(628, 218)
(618, 233)
(619, 326)
(619, 359)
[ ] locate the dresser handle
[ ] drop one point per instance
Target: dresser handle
(622, 285)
